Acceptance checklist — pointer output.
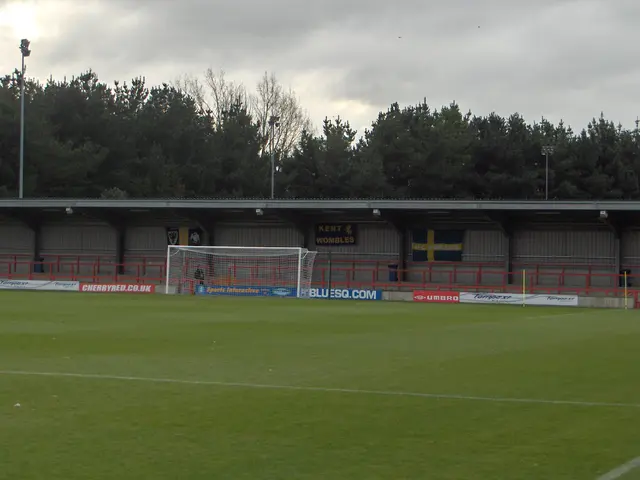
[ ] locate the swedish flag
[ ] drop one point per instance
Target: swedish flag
(437, 245)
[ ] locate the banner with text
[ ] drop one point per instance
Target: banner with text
(336, 234)
(436, 297)
(520, 299)
(116, 288)
(246, 291)
(345, 294)
(51, 286)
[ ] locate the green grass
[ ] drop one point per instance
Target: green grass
(78, 428)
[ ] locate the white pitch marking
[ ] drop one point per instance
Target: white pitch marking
(558, 315)
(621, 470)
(441, 396)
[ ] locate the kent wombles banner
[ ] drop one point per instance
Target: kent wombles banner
(336, 234)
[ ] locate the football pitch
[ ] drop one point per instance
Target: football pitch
(158, 387)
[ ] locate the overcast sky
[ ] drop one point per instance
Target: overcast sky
(561, 59)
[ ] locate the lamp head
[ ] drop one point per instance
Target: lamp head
(24, 47)
(274, 121)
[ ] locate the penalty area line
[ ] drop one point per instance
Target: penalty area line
(622, 470)
(355, 391)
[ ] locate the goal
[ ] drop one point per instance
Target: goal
(239, 271)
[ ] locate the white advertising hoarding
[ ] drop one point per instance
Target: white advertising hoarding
(345, 294)
(520, 299)
(54, 286)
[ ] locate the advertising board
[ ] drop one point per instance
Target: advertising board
(426, 296)
(117, 288)
(345, 294)
(246, 291)
(46, 285)
(520, 299)
(336, 234)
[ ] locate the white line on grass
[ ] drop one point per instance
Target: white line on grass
(557, 315)
(441, 396)
(623, 469)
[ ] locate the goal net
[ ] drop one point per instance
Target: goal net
(239, 271)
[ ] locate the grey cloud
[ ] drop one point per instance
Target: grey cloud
(533, 62)
(553, 57)
(234, 33)
(239, 32)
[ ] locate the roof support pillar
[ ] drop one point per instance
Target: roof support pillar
(36, 226)
(508, 256)
(121, 246)
(119, 224)
(506, 226)
(616, 228)
(401, 227)
(34, 223)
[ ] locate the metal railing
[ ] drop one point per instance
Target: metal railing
(341, 271)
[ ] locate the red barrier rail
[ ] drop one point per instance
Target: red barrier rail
(370, 274)
(151, 264)
(380, 265)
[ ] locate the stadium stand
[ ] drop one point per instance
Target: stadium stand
(562, 247)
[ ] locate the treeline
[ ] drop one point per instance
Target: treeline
(212, 138)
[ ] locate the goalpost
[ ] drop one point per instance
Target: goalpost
(239, 271)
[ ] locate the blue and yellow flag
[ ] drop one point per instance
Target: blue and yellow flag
(437, 245)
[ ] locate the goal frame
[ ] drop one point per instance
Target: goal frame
(299, 250)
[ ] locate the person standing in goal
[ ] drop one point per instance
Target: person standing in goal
(199, 275)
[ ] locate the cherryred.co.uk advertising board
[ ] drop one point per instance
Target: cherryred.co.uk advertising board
(116, 288)
(426, 296)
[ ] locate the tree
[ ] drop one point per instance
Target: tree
(331, 166)
(271, 99)
(336, 159)
(216, 95)
(243, 171)
(85, 138)
(423, 153)
(501, 149)
(9, 135)
(321, 166)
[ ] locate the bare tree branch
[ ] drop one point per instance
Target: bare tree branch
(224, 93)
(216, 95)
(192, 87)
(270, 99)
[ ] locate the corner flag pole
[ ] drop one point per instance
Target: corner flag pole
(524, 286)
